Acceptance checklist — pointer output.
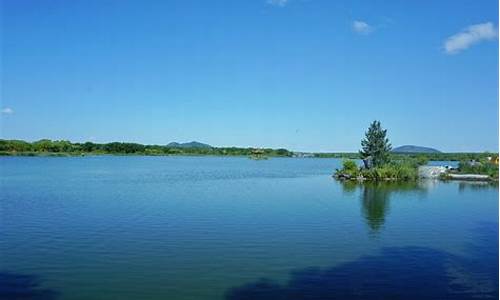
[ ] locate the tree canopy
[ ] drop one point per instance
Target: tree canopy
(45, 146)
(376, 145)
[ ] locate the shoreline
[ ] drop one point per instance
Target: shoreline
(69, 154)
(76, 154)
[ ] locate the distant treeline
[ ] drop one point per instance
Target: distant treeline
(454, 156)
(63, 148)
(347, 155)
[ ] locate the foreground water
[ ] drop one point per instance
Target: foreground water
(234, 228)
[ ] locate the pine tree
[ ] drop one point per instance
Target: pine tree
(376, 145)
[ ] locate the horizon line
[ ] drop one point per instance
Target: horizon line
(247, 147)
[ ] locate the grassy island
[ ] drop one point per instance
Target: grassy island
(395, 170)
(377, 161)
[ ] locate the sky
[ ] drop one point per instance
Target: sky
(306, 75)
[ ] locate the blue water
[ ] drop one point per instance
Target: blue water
(451, 163)
(112, 227)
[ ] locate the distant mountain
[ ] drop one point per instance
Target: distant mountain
(414, 149)
(188, 145)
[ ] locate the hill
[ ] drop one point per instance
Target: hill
(414, 149)
(189, 145)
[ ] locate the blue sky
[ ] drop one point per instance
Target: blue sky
(306, 75)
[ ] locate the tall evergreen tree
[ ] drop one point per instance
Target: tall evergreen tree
(376, 145)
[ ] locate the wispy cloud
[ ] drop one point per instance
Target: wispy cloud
(279, 3)
(470, 36)
(7, 111)
(361, 27)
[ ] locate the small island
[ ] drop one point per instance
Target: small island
(380, 163)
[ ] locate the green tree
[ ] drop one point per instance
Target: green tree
(89, 147)
(44, 145)
(376, 145)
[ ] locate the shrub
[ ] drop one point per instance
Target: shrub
(388, 171)
(392, 171)
(406, 172)
(349, 167)
(370, 174)
(484, 167)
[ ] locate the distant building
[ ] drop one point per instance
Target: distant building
(474, 163)
(303, 154)
(493, 159)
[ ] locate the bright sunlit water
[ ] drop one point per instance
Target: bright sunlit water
(134, 227)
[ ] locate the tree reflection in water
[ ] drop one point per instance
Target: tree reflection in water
(375, 198)
(476, 185)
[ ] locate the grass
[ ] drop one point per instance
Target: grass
(402, 170)
(483, 167)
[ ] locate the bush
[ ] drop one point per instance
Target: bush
(371, 174)
(392, 171)
(483, 167)
(387, 172)
(406, 172)
(349, 167)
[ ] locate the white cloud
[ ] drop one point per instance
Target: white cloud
(361, 27)
(470, 36)
(280, 3)
(7, 111)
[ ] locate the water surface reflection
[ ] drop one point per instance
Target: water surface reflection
(376, 197)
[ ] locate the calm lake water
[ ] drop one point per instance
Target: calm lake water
(234, 228)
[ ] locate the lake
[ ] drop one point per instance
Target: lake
(133, 227)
